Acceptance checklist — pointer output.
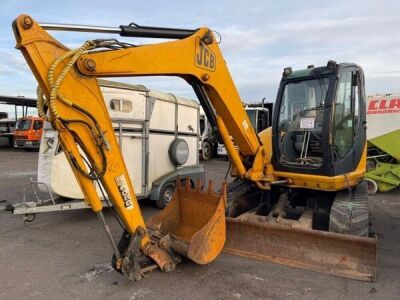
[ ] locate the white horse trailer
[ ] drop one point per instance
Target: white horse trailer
(158, 134)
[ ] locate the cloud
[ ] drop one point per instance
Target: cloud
(238, 40)
(342, 31)
(12, 62)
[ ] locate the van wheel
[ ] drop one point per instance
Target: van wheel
(29, 218)
(206, 151)
(166, 194)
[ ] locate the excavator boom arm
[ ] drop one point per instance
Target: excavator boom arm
(196, 58)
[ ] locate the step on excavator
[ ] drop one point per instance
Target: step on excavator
(298, 197)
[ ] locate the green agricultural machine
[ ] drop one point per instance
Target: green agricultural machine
(383, 162)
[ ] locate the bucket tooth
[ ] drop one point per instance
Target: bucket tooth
(187, 185)
(210, 187)
(223, 192)
(199, 185)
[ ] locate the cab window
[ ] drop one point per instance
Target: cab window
(343, 116)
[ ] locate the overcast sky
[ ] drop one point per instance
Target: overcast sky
(259, 38)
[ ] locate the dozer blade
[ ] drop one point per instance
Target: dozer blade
(194, 222)
(335, 254)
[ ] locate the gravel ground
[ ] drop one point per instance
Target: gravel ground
(67, 256)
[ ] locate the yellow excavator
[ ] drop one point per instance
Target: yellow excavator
(298, 198)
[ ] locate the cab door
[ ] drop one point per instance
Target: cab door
(349, 126)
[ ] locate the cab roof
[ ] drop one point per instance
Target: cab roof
(323, 70)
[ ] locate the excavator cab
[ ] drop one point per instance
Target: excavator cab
(318, 140)
(319, 120)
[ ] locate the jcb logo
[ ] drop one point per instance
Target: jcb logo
(205, 58)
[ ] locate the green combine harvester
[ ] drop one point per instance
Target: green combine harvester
(383, 162)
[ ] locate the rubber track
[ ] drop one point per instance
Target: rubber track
(349, 212)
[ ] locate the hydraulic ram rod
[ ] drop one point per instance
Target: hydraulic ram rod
(80, 28)
(124, 30)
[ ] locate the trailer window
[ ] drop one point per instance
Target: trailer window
(121, 105)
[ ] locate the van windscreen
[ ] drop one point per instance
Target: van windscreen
(24, 124)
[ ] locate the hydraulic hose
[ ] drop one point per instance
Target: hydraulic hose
(55, 84)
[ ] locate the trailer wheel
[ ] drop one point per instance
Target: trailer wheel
(29, 217)
(206, 151)
(349, 211)
(372, 186)
(166, 194)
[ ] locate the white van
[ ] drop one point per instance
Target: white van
(157, 132)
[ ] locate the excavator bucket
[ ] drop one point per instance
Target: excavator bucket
(295, 245)
(194, 222)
